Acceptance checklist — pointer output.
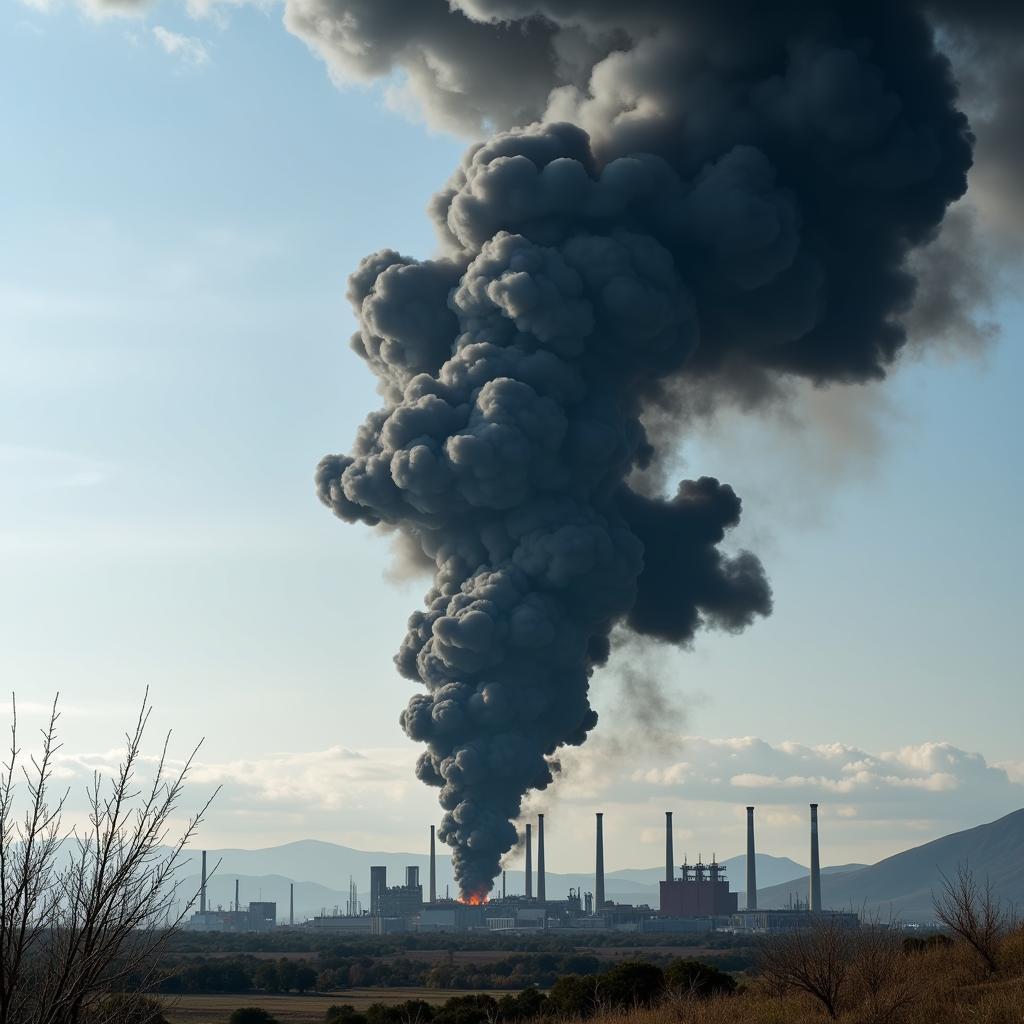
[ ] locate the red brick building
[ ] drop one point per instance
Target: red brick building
(701, 890)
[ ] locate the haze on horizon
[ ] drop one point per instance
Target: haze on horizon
(173, 332)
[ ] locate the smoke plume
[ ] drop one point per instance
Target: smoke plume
(725, 194)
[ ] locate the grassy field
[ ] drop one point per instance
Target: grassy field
(293, 1009)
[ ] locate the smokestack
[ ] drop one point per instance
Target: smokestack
(291, 903)
(540, 858)
(751, 863)
(202, 888)
(237, 906)
(378, 883)
(599, 863)
(529, 861)
(433, 868)
(412, 876)
(670, 868)
(814, 896)
(503, 885)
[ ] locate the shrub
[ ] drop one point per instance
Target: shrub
(697, 980)
(412, 1011)
(251, 1015)
(343, 1014)
(126, 1008)
(529, 1003)
(974, 914)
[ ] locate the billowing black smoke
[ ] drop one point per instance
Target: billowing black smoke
(741, 206)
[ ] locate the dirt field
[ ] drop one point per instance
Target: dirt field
(293, 1009)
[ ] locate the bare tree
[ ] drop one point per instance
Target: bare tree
(84, 911)
(878, 970)
(816, 960)
(972, 911)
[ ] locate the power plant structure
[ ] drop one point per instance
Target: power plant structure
(700, 890)
(694, 897)
(258, 916)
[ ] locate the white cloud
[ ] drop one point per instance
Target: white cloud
(717, 769)
(189, 49)
(101, 9)
(872, 805)
(98, 10)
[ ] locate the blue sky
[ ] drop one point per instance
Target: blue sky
(177, 231)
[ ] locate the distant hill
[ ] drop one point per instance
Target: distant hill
(903, 884)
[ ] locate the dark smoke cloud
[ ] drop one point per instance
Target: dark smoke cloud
(726, 203)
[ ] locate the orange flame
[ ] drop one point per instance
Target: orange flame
(474, 900)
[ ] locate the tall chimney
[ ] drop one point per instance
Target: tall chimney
(529, 861)
(202, 888)
(814, 896)
(599, 864)
(541, 895)
(237, 905)
(291, 903)
(433, 868)
(378, 883)
(670, 860)
(751, 863)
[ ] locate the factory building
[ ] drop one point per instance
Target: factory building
(700, 890)
(256, 917)
(400, 901)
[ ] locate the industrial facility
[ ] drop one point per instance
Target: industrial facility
(255, 917)
(695, 897)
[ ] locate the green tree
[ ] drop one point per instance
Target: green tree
(268, 977)
(630, 983)
(304, 978)
(573, 996)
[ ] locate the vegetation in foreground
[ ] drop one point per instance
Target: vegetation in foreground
(873, 976)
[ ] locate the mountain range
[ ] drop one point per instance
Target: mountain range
(901, 885)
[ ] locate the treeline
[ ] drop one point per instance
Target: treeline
(625, 986)
(285, 940)
(328, 973)
(331, 974)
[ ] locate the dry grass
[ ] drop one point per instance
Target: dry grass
(940, 986)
